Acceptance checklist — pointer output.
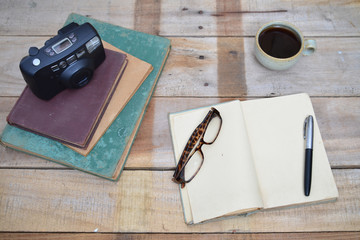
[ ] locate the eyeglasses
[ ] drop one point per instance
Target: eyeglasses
(192, 158)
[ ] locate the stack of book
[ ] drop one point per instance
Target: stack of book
(93, 130)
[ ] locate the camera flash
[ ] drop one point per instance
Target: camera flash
(92, 44)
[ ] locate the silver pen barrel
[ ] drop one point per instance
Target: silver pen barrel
(309, 131)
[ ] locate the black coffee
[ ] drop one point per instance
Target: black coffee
(279, 42)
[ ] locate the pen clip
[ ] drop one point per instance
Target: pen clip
(309, 131)
(305, 125)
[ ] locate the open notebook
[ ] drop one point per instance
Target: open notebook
(257, 161)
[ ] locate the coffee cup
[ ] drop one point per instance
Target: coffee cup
(279, 45)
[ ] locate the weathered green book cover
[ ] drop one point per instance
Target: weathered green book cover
(108, 157)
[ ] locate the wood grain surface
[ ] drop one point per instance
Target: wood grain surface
(338, 120)
(225, 67)
(69, 201)
(212, 60)
(184, 18)
(232, 236)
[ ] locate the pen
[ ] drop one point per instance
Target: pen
(308, 136)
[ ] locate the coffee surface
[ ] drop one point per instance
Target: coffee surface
(279, 42)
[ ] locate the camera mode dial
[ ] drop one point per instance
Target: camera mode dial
(33, 51)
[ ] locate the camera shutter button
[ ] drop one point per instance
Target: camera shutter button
(36, 62)
(33, 51)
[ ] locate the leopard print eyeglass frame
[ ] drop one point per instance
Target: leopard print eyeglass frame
(194, 145)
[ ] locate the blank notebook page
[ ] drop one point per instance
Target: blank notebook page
(227, 182)
(275, 128)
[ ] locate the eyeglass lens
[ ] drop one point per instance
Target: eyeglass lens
(196, 159)
(193, 166)
(212, 130)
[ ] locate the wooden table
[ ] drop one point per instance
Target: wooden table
(211, 61)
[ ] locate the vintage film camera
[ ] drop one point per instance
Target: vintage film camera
(67, 60)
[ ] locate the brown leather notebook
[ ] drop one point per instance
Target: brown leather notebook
(73, 115)
(134, 75)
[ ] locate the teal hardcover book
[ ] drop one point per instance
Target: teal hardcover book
(108, 157)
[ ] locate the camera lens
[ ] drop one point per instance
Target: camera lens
(77, 74)
(81, 78)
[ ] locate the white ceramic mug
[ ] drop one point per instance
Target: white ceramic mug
(307, 47)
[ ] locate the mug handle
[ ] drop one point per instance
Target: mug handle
(310, 47)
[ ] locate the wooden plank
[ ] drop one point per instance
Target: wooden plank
(224, 67)
(227, 67)
(149, 202)
(232, 236)
(330, 71)
(314, 18)
(183, 18)
(13, 50)
(46, 17)
(338, 120)
(147, 16)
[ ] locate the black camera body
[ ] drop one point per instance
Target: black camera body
(67, 60)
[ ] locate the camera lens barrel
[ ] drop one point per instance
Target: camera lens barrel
(77, 75)
(81, 77)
